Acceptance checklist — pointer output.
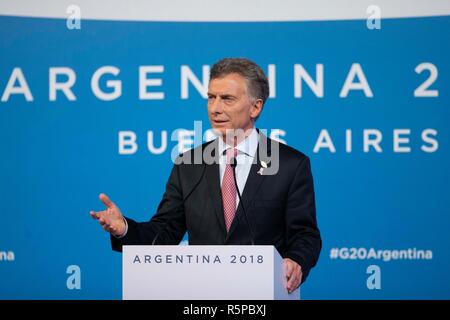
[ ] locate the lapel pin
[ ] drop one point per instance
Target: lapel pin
(263, 166)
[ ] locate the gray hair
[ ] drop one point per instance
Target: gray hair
(257, 83)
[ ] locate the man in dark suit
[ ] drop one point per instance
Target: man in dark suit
(277, 206)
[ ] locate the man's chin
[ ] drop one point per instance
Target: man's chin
(229, 134)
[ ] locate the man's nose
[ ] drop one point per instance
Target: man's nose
(216, 106)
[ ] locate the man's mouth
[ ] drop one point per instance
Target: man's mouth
(219, 121)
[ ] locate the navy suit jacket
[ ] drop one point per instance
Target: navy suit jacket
(280, 208)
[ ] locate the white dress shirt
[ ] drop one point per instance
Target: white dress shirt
(246, 152)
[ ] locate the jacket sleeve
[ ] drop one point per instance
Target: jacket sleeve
(166, 227)
(303, 236)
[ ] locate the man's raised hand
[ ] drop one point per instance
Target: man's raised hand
(110, 219)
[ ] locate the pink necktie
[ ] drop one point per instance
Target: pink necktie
(229, 190)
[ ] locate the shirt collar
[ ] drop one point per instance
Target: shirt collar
(247, 146)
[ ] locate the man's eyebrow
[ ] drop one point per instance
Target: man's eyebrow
(227, 96)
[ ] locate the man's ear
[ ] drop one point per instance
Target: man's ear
(256, 110)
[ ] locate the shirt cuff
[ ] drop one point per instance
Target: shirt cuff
(125, 232)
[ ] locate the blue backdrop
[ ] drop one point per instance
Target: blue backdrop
(57, 156)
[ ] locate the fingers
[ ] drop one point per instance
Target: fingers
(106, 201)
(103, 219)
(94, 215)
(288, 269)
(105, 223)
(293, 274)
(294, 281)
(99, 214)
(112, 229)
(106, 227)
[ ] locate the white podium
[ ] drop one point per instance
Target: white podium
(204, 273)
